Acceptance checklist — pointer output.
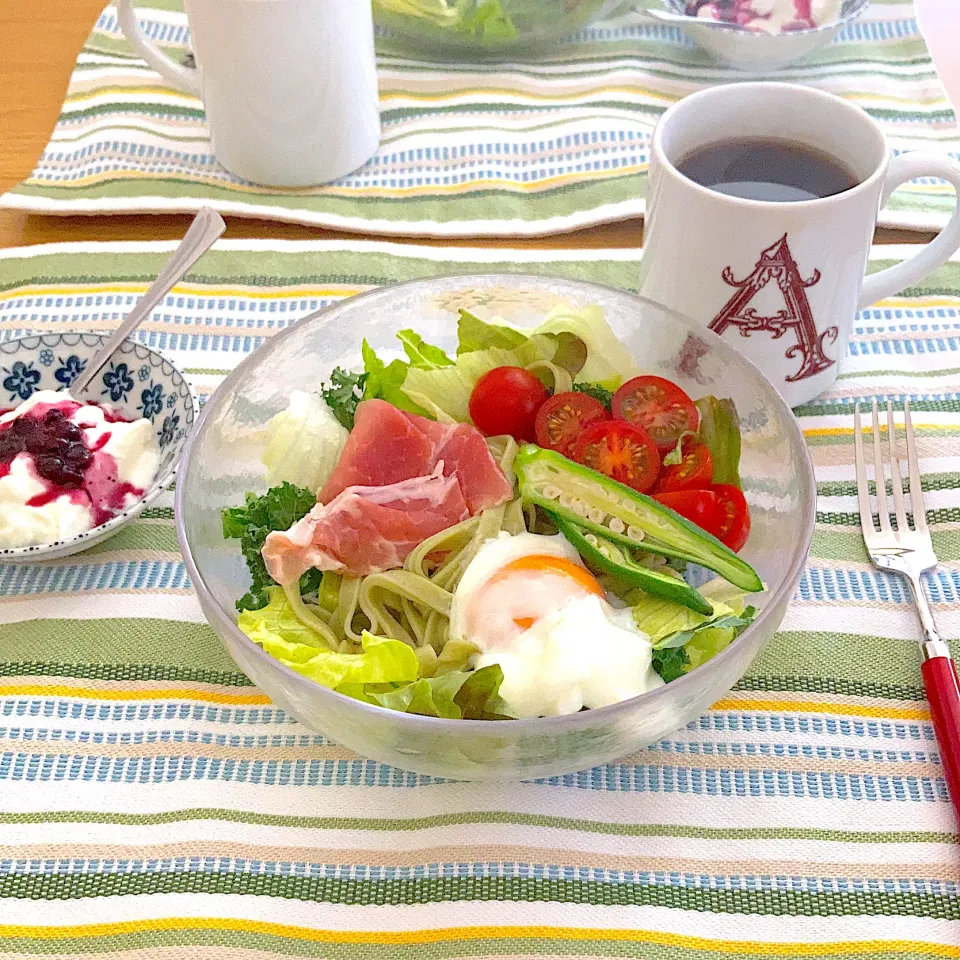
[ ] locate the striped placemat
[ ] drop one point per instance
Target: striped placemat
(153, 804)
(514, 149)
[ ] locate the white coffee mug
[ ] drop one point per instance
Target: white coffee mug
(782, 281)
(289, 86)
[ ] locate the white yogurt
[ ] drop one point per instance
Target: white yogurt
(124, 461)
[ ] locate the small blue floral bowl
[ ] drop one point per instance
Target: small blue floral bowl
(138, 382)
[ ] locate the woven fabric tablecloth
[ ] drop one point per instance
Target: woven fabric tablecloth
(515, 149)
(153, 804)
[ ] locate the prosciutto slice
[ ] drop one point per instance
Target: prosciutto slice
(388, 445)
(366, 529)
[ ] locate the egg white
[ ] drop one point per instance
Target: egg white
(579, 651)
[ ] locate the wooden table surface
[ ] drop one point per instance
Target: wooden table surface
(39, 43)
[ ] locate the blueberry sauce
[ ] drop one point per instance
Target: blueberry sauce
(62, 459)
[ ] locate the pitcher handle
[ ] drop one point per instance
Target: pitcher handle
(181, 77)
(919, 163)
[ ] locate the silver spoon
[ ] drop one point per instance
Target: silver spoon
(206, 228)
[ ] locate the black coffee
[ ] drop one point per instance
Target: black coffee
(764, 168)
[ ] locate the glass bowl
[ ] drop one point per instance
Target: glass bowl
(222, 462)
(477, 29)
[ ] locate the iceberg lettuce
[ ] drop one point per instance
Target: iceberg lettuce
(304, 442)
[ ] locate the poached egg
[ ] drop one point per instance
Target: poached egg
(530, 605)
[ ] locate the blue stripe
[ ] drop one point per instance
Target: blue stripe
(667, 747)
(494, 869)
(615, 778)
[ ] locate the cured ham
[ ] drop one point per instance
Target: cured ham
(388, 445)
(366, 529)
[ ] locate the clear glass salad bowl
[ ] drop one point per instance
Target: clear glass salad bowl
(222, 462)
(486, 28)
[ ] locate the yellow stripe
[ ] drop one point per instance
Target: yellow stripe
(849, 431)
(115, 91)
(292, 291)
(913, 303)
(452, 189)
(85, 693)
(814, 706)
(455, 934)
(257, 699)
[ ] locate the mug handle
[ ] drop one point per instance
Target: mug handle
(179, 76)
(919, 163)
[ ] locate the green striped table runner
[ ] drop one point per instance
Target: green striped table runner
(524, 148)
(154, 804)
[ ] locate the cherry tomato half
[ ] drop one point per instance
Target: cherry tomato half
(505, 401)
(693, 472)
(564, 417)
(621, 451)
(659, 406)
(734, 516)
(701, 507)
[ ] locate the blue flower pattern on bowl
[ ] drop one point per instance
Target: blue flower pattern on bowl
(118, 382)
(21, 381)
(151, 400)
(169, 431)
(69, 369)
(51, 361)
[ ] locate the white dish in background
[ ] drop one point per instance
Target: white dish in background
(755, 52)
(138, 382)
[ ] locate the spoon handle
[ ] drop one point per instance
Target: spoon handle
(207, 226)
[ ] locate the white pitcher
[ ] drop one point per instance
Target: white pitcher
(289, 86)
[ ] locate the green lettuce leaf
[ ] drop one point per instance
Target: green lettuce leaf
(675, 456)
(670, 663)
(608, 362)
(458, 695)
(277, 629)
(720, 431)
(385, 380)
(695, 636)
(422, 354)
(476, 334)
(386, 672)
(278, 509)
(342, 394)
(445, 392)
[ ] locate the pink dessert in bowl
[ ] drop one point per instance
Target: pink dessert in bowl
(67, 467)
(767, 16)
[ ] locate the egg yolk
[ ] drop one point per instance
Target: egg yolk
(544, 563)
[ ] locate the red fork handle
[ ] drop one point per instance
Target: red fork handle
(943, 694)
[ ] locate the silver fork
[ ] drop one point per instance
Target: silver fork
(909, 552)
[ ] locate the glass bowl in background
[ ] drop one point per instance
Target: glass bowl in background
(222, 462)
(486, 28)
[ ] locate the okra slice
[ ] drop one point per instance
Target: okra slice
(594, 502)
(610, 557)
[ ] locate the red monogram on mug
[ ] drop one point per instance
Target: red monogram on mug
(777, 263)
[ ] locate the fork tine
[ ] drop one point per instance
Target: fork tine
(879, 478)
(916, 487)
(863, 485)
(896, 481)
